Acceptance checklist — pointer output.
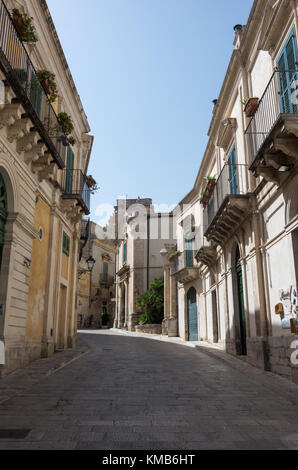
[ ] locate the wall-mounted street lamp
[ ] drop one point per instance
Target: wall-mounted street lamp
(90, 262)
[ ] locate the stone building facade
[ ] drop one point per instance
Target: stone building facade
(96, 289)
(43, 194)
(235, 281)
(140, 235)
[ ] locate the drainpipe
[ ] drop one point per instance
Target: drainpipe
(148, 248)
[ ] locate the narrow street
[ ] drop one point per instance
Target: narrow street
(135, 393)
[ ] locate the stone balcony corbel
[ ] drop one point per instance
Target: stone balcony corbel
(269, 174)
(10, 114)
(72, 210)
(27, 142)
(18, 129)
(288, 146)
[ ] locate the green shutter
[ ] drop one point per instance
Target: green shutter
(66, 244)
(69, 171)
(233, 177)
(124, 252)
(36, 95)
(105, 272)
(288, 61)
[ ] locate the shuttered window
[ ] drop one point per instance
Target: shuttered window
(105, 272)
(66, 244)
(287, 64)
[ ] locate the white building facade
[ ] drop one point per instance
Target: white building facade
(234, 281)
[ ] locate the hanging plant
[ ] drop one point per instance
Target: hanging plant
(65, 122)
(250, 106)
(24, 26)
(48, 82)
(92, 184)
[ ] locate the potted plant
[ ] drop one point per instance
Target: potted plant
(48, 82)
(250, 106)
(92, 184)
(65, 122)
(174, 255)
(207, 193)
(24, 26)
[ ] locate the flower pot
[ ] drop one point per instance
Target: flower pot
(251, 107)
(19, 25)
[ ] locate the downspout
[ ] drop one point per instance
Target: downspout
(148, 248)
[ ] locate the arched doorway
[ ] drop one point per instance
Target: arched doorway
(240, 292)
(3, 215)
(192, 315)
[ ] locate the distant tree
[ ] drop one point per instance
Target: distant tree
(151, 303)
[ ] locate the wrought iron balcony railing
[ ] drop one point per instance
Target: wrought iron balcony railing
(279, 98)
(22, 77)
(75, 187)
(232, 182)
(183, 261)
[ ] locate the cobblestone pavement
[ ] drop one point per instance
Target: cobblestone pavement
(134, 393)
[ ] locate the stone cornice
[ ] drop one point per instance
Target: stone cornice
(62, 57)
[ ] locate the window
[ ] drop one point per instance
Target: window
(233, 175)
(288, 62)
(124, 253)
(66, 244)
(105, 272)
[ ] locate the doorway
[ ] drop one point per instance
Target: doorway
(240, 293)
(192, 315)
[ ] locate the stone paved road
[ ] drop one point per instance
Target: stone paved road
(136, 393)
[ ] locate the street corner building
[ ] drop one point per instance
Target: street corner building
(232, 277)
(44, 193)
(95, 301)
(140, 236)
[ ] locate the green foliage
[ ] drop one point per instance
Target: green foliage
(65, 123)
(24, 26)
(151, 303)
(48, 80)
(174, 254)
(245, 101)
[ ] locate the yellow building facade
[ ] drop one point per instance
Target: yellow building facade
(44, 191)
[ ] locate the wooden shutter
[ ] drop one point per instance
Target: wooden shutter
(105, 271)
(288, 62)
(233, 177)
(69, 171)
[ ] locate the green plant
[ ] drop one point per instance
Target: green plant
(47, 78)
(151, 303)
(202, 195)
(91, 183)
(71, 140)
(174, 254)
(24, 26)
(210, 177)
(245, 101)
(65, 123)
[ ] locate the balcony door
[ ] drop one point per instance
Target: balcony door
(233, 176)
(189, 252)
(3, 215)
(69, 171)
(287, 63)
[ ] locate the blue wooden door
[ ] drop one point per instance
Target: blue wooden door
(287, 64)
(192, 314)
(233, 176)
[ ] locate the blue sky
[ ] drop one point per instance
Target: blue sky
(147, 72)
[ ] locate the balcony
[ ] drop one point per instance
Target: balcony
(27, 113)
(206, 250)
(184, 267)
(106, 280)
(229, 204)
(75, 189)
(272, 133)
